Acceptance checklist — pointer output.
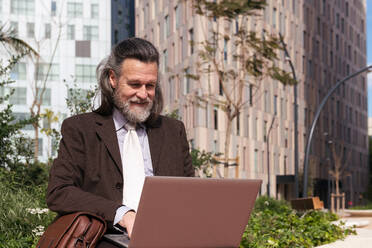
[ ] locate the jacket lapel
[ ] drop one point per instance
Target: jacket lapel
(155, 135)
(105, 129)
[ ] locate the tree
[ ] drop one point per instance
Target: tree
(253, 57)
(340, 161)
(9, 40)
(14, 147)
(43, 67)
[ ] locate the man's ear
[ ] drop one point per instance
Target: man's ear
(112, 78)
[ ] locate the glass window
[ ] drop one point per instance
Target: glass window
(19, 116)
(19, 96)
(94, 11)
(22, 7)
(186, 81)
(19, 72)
(40, 147)
(225, 50)
(274, 17)
(215, 115)
(75, 10)
(53, 8)
(48, 31)
(165, 60)
(191, 36)
(255, 161)
(166, 27)
(85, 73)
(42, 72)
(90, 33)
(71, 32)
(30, 30)
(177, 11)
(46, 99)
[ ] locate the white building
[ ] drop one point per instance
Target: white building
(80, 34)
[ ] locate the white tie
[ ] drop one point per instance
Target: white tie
(133, 169)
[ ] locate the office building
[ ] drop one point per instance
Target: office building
(326, 41)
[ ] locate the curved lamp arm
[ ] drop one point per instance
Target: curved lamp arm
(316, 117)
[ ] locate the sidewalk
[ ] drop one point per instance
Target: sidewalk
(363, 239)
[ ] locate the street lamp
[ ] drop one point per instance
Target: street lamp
(295, 113)
(316, 117)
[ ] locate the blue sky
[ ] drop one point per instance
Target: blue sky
(369, 54)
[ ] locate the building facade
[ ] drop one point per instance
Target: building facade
(326, 41)
(72, 36)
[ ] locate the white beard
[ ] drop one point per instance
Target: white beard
(136, 114)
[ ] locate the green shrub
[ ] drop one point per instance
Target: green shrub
(274, 224)
(23, 213)
(367, 206)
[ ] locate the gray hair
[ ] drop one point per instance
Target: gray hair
(135, 48)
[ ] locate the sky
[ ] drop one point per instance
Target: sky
(369, 54)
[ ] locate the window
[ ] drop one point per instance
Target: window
(22, 7)
(53, 8)
(236, 25)
(171, 90)
(19, 72)
(225, 50)
(94, 11)
(19, 96)
(264, 131)
(90, 33)
(177, 11)
(191, 36)
(274, 17)
(42, 72)
(30, 30)
(40, 146)
(238, 124)
(48, 31)
(166, 27)
(165, 60)
(220, 86)
(71, 32)
(187, 81)
(255, 160)
(215, 115)
(46, 99)
(19, 116)
(267, 102)
(85, 73)
(275, 105)
(75, 10)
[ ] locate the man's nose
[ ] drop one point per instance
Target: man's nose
(142, 92)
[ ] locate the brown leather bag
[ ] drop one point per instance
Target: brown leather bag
(81, 229)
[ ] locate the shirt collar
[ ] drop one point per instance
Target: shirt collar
(120, 120)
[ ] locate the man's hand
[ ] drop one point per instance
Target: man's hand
(128, 221)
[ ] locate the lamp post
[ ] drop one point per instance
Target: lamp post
(316, 117)
(268, 155)
(330, 164)
(295, 117)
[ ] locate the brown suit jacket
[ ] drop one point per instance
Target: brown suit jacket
(87, 174)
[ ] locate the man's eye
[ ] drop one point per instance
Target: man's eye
(150, 86)
(135, 85)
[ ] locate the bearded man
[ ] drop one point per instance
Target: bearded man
(104, 155)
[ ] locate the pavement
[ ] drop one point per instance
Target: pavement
(363, 239)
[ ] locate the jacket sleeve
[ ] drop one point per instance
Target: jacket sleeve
(65, 193)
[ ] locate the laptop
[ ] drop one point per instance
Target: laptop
(191, 212)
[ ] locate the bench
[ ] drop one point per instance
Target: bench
(307, 203)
